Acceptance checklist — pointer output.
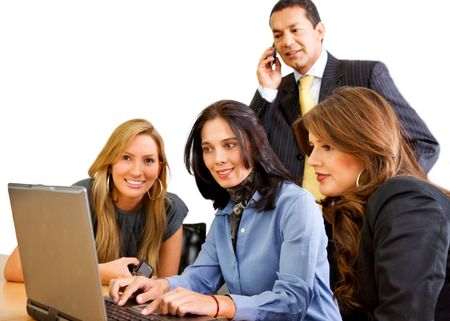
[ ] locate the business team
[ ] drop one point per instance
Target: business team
(369, 151)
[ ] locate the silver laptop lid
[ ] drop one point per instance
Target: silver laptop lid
(59, 259)
(57, 248)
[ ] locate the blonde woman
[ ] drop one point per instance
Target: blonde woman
(133, 215)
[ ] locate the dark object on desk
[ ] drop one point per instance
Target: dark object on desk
(194, 235)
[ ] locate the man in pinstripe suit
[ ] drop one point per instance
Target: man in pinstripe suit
(298, 34)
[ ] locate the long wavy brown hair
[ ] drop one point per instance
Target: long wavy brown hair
(360, 122)
(108, 235)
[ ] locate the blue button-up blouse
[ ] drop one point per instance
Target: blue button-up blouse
(280, 269)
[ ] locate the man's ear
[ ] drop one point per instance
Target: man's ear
(320, 29)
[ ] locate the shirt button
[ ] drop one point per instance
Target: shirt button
(243, 230)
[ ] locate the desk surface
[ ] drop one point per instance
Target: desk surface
(12, 298)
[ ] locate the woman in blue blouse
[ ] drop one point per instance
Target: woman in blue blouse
(267, 242)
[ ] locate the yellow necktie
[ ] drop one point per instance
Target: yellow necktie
(306, 104)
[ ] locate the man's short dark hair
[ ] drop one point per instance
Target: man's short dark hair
(311, 11)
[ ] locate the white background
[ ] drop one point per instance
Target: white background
(71, 71)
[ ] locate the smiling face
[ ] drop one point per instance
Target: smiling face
(135, 172)
(222, 154)
(296, 40)
(336, 171)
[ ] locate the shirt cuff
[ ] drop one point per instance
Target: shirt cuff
(268, 94)
(245, 307)
(176, 282)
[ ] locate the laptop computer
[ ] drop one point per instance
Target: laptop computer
(59, 260)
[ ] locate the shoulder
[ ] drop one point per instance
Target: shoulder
(349, 65)
(175, 205)
(297, 211)
(407, 195)
(289, 189)
(358, 70)
(401, 186)
(87, 182)
(176, 211)
(345, 64)
(287, 192)
(290, 195)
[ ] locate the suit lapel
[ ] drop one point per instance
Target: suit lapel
(289, 104)
(331, 80)
(331, 77)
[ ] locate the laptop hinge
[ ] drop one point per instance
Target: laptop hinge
(45, 313)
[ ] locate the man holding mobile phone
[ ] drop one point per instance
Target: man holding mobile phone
(298, 33)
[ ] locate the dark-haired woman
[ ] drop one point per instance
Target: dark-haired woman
(267, 242)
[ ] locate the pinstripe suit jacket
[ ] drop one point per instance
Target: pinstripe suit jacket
(278, 116)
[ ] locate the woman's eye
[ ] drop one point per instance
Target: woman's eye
(327, 147)
(149, 160)
(126, 157)
(230, 145)
(206, 149)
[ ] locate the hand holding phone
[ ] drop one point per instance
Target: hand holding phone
(269, 68)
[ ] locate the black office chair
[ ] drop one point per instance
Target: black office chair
(194, 235)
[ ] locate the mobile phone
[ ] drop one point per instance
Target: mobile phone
(142, 269)
(274, 54)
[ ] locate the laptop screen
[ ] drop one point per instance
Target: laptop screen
(59, 260)
(57, 248)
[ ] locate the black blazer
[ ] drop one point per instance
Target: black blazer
(404, 262)
(277, 117)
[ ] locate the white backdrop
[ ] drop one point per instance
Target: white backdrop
(71, 71)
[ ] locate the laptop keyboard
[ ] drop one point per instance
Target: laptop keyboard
(114, 312)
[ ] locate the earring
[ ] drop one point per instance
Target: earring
(160, 191)
(108, 184)
(359, 175)
(109, 188)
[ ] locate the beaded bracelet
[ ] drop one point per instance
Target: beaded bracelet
(217, 304)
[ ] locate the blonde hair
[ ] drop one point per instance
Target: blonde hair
(108, 235)
(360, 122)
